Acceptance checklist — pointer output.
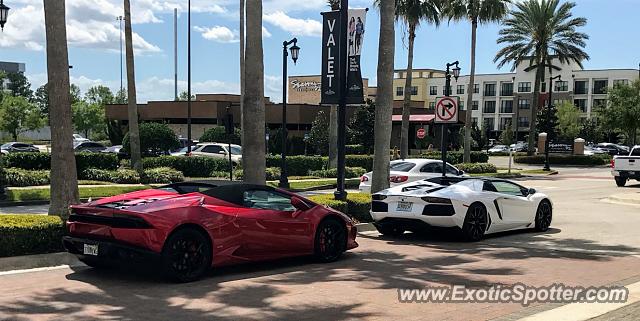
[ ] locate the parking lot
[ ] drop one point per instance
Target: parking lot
(591, 242)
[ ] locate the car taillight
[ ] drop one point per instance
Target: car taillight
(613, 162)
(398, 179)
(436, 200)
(364, 178)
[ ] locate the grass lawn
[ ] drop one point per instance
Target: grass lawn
(43, 194)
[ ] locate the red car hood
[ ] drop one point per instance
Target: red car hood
(139, 200)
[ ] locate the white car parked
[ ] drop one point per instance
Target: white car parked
(219, 150)
(476, 206)
(410, 170)
(77, 138)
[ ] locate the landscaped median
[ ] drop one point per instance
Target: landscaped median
(43, 193)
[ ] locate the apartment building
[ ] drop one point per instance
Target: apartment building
(500, 99)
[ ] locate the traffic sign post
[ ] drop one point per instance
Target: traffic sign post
(447, 112)
(421, 133)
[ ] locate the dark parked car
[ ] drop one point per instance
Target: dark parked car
(613, 149)
(91, 147)
(17, 147)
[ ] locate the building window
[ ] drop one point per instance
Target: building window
(561, 86)
(581, 104)
(460, 90)
(580, 87)
(444, 90)
(460, 104)
(474, 122)
(432, 105)
(474, 105)
(399, 91)
(543, 87)
(524, 87)
(597, 103)
(524, 103)
(489, 107)
(476, 88)
(523, 122)
(600, 86)
(433, 90)
(506, 106)
(504, 122)
(490, 90)
(414, 90)
(488, 124)
(620, 82)
(506, 89)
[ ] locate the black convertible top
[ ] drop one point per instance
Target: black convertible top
(228, 191)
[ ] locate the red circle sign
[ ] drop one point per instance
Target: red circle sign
(421, 133)
(445, 112)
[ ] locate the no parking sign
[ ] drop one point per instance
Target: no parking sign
(446, 110)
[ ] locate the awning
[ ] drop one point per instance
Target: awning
(415, 118)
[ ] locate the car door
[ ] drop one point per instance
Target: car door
(271, 226)
(515, 208)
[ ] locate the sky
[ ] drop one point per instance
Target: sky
(93, 37)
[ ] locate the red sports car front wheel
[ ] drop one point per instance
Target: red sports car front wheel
(330, 240)
(186, 255)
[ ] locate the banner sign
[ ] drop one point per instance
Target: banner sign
(330, 82)
(560, 148)
(355, 37)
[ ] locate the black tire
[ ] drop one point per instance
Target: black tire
(475, 222)
(186, 255)
(620, 181)
(330, 240)
(389, 230)
(544, 215)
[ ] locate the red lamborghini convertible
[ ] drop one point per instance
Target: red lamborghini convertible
(186, 228)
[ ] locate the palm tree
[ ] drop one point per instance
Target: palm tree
(476, 12)
(253, 121)
(134, 133)
(537, 32)
(384, 101)
(412, 12)
(64, 179)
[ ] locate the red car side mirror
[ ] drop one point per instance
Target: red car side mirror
(299, 204)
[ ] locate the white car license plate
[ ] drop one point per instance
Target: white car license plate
(404, 206)
(91, 249)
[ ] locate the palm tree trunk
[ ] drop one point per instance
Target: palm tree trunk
(253, 151)
(384, 103)
(469, 104)
(333, 136)
(534, 109)
(242, 45)
(134, 133)
(406, 105)
(64, 178)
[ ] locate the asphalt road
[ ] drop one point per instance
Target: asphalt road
(591, 242)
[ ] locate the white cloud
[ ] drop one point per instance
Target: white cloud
(265, 33)
(295, 26)
(218, 33)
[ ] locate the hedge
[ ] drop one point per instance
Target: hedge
(355, 150)
(22, 177)
(162, 175)
(299, 165)
(458, 157)
(591, 160)
(30, 234)
(357, 205)
(192, 166)
(350, 172)
(39, 161)
(121, 176)
(272, 174)
(477, 168)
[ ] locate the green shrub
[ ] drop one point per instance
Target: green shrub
(155, 138)
(299, 165)
(192, 166)
(218, 134)
(355, 150)
(21, 177)
(457, 157)
(364, 161)
(121, 176)
(30, 234)
(350, 172)
(477, 168)
(357, 205)
(35, 161)
(591, 160)
(162, 175)
(273, 173)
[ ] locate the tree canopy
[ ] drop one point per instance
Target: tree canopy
(17, 115)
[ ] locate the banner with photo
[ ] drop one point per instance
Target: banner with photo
(355, 38)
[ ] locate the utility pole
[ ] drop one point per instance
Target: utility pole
(120, 19)
(189, 78)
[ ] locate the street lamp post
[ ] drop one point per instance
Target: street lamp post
(295, 50)
(447, 93)
(546, 142)
(341, 193)
(120, 19)
(189, 78)
(4, 12)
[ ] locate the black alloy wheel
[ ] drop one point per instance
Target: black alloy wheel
(544, 215)
(330, 240)
(186, 256)
(475, 222)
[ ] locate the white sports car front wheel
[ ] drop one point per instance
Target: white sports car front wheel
(475, 222)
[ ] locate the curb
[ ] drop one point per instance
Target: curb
(37, 261)
(365, 227)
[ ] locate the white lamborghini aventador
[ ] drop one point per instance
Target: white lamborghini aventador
(477, 206)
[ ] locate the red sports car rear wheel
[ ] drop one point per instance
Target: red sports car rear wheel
(186, 255)
(330, 241)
